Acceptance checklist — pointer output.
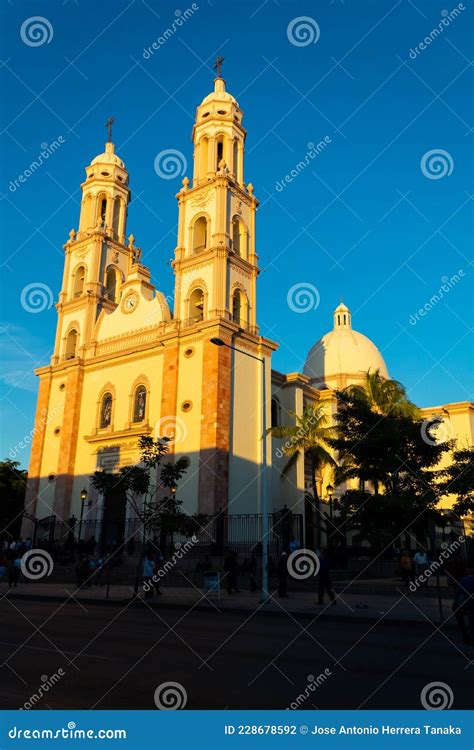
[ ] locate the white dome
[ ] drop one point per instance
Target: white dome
(219, 94)
(342, 356)
(108, 157)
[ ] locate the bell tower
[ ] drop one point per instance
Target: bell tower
(215, 260)
(97, 258)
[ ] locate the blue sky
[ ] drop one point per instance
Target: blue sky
(363, 221)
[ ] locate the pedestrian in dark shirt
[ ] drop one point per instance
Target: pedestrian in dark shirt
(231, 568)
(324, 579)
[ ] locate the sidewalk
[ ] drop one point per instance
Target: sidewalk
(364, 606)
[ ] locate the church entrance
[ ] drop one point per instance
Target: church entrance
(113, 522)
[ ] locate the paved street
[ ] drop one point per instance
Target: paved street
(115, 657)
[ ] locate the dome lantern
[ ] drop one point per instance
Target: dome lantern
(342, 317)
(343, 356)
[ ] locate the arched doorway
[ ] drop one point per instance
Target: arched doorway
(113, 520)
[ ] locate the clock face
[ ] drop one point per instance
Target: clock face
(130, 303)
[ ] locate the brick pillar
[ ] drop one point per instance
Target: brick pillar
(215, 429)
(169, 392)
(68, 445)
(34, 470)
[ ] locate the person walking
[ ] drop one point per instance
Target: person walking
(421, 562)
(231, 568)
(282, 573)
(324, 579)
(148, 569)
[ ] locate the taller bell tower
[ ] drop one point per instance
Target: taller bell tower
(215, 260)
(216, 269)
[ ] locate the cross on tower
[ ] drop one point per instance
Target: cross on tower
(218, 64)
(108, 125)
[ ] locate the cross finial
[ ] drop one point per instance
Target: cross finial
(218, 64)
(108, 125)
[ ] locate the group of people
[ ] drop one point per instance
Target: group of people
(90, 570)
(11, 552)
(323, 577)
(413, 566)
(232, 570)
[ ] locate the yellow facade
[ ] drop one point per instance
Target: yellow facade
(125, 365)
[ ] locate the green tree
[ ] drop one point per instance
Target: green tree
(382, 395)
(12, 493)
(388, 450)
(150, 489)
(309, 437)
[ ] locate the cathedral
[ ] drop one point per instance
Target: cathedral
(200, 374)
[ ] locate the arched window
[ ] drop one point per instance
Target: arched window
(239, 237)
(276, 413)
(116, 217)
(236, 236)
(139, 404)
(71, 344)
(106, 410)
(219, 150)
(237, 306)
(111, 284)
(79, 279)
(200, 235)
(103, 210)
(196, 306)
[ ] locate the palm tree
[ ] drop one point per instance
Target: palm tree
(307, 437)
(382, 395)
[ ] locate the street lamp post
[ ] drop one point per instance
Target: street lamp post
(263, 471)
(83, 500)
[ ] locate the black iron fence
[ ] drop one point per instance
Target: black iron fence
(241, 532)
